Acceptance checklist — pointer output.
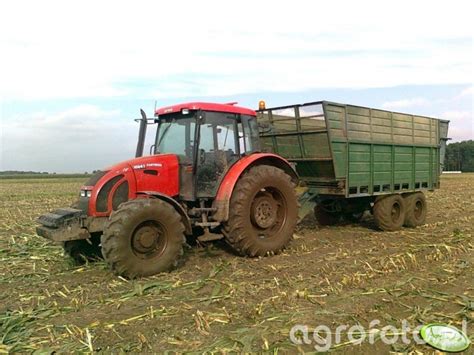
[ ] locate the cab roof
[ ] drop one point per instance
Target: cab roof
(205, 106)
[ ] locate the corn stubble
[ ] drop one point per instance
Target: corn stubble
(218, 302)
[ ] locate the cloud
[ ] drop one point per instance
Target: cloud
(405, 103)
(461, 125)
(115, 53)
(84, 137)
(469, 91)
(185, 49)
(87, 137)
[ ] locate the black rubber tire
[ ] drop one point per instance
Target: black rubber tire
(82, 250)
(389, 212)
(122, 229)
(416, 209)
(326, 218)
(241, 232)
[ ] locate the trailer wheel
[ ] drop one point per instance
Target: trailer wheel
(416, 209)
(389, 212)
(143, 237)
(82, 250)
(324, 217)
(263, 212)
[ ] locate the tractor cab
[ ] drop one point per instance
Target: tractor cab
(207, 139)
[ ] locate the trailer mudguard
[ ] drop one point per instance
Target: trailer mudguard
(224, 193)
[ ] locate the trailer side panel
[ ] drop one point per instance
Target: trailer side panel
(354, 151)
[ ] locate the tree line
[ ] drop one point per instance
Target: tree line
(460, 156)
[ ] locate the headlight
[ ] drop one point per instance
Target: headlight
(86, 193)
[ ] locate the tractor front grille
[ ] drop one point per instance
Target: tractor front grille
(102, 198)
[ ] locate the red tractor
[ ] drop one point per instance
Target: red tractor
(206, 178)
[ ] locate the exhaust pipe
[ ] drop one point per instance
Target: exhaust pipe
(141, 134)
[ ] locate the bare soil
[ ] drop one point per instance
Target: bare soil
(215, 301)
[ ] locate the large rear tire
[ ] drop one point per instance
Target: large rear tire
(416, 209)
(389, 212)
(143, 237)
(263, 212)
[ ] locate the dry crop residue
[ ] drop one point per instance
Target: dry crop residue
(216, 301)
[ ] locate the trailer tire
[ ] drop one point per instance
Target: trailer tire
(143, 237)
(416, 209)
(389, 212)
(263, 212)
(326, 218)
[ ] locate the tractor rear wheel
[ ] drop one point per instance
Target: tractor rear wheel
(389, 212)
(83, 250)
(143, 237)
(263, 212)
(416, 209)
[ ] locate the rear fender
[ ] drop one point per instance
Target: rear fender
(224, 193)
(172, 202)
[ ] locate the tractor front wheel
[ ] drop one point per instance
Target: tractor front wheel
(143, 237)
(263, 212)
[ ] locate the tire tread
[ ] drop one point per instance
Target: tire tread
(235, 228)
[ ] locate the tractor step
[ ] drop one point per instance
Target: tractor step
(198, 211)
(208, 224)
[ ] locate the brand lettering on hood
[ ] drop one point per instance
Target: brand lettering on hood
(147, 165)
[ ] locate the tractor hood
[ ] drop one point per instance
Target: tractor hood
(106, 190)
(157, 173)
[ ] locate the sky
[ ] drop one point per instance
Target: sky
(74, 74)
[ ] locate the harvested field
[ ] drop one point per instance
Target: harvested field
(215, 301)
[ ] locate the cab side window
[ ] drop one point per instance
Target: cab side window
(217, 150)
(250, 134)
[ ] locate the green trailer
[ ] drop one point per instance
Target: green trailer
(352, 158)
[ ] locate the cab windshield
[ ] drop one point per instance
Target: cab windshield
(175, 135)
(232, 134)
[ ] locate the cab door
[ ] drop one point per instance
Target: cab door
(218, 149)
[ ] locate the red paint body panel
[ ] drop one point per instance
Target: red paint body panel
(229, 181)
(167, 168)
(164, 179)
(205, 106)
